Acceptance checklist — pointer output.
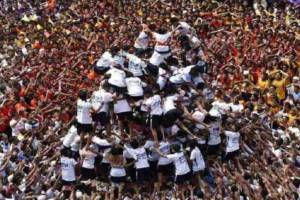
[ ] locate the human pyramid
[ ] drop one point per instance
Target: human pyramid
(150, 100)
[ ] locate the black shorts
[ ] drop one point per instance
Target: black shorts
(171, 117)
(181, 179)
(156, 121)
(125, 116)
(101, 117)
(142, 175)
(101, 70)
(68, 183)
(213, 149)
(84, 128)
(166, 170)
(117, 180)
(153, 168)
(152, 69)
(104, 169)
(87, 174)
(118, 90)
(75, 155)
(231, 155)
(136, 98)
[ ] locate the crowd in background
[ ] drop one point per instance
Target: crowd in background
(162, 99)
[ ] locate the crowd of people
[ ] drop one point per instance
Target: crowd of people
(162, 99)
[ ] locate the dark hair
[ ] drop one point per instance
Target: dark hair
(66, 152)
(193, 144)
(172, 61)
(134, 144)
(176, 148)
(82, 94)
(162, 31)
(114, 49)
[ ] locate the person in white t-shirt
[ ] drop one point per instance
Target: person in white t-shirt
(117, 172)
(163, 75)
(182, 168)
(100, 101)
(161, 50)
(104, 63)
(170, 111)
(67, 165)
(106, 60)
(70, 137)
(198, 163)
(84, 113)
(189, 75)
(214, 139)
(88, 174)
(142, 42)
(142, 166)
(101, 163)
(154, 105)
(232, 142)
(124, 113)
(135, 88)
(116, 79)
(136, 66)
(165, 166)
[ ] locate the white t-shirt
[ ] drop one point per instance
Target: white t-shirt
(89, 159)
(232, 141)
(214, 133)
(75, 145)
(117, 77)
(184, 27)
(197, 158)
(169, 103)
(162, 78)
(70, 137)
(162, 40)
(181, 164)
(220, 106)
(199, 116)
(68, 168)
(134, 86)
(101, 98)
(182, 75)
(154, 103)
(105, 61)
(140, 157)
(142, 41)
(135, 65)
(152, 154)
(83, 112)
(122, 106)
(164, 147)
(117, 172)
(16, 126)
(236, 107)
(156, 59)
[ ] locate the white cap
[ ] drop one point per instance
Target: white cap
(214, 113)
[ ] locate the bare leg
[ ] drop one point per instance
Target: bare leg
(112, 193)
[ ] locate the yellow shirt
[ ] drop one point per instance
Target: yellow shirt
(280, 88)
(263, 84)
(292, 118)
